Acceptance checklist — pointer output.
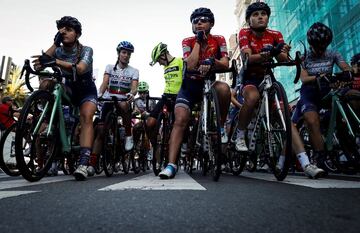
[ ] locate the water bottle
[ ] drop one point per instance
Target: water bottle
(121, 132)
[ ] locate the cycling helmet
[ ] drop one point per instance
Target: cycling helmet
(68, 21)
(257, 6)
(355, 59)
(143, 87)
(157, 51)
(319, 35)
(125, 45)
(202, 11)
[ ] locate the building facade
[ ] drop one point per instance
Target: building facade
(293, 17)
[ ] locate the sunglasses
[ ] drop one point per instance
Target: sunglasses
(201, 19)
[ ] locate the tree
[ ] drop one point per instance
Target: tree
(16, 87)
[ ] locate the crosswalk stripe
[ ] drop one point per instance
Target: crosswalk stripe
(304, 181)
(5, 194)
(23, 183)
(151, 182)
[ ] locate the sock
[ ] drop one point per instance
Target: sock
(303, 159)
(84, 155)
(281, 161)
(173, 165)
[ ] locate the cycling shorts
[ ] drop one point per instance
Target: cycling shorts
(191, 92)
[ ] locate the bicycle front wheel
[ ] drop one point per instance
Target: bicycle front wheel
(278, 138)
(110, 143)
(214, 134)
(35, 148)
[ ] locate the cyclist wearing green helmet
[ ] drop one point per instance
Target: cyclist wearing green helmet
(140, 102)
(173, 75)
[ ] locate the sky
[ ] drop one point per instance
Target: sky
(28, 27)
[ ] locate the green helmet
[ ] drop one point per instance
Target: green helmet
(157, 51)
(143, 86)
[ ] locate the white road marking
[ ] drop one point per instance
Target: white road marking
(304, 181)
(5, 194)
(182, 181)
(24, 183)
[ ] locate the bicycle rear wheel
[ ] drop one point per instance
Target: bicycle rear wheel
(278, 138)
(214, 134)
(7, 150)
(160, 152)
(35, 150)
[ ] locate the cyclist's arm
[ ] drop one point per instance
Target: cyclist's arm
(223, 63)
(134, 87)
(253, 58)
(104, 84)
(344, 66)
(51, 50)
(193, 59)
(81, 67)
(305, 77)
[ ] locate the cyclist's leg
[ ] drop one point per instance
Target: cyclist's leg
(182, 113)
(85, 96)
(309, 169)
(224, 96)
(251, 99)
(126, 116)
(151, 121)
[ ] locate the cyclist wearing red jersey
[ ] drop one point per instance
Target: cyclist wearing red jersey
(263, 44)
(202, 52)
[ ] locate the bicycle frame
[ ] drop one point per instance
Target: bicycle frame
(337, 106)
(262, 113)
(60, 94)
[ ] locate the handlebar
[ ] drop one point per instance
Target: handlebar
(28, 70)
(271, 64)
(232, 69)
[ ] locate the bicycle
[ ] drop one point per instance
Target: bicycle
(113, 146)
(340, 126)
(208, 131)
(41, 129)
(271, 135)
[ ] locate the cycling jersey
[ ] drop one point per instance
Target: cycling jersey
(120, 80)
(310, 95)
(141, 104)
(248, 40)
(71, 56)
(173, 74)
(191, 88)
(6, 119)
(83, 89)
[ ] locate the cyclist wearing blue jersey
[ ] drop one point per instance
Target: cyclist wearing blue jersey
(74, 60)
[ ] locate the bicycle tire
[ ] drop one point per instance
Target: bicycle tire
(237, 160)
(110, 143)
(36, 167)
(160, 150)
(214, 127)
(7, 148)
(277, 136)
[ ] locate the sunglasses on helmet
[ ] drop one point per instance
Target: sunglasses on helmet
(202, 19)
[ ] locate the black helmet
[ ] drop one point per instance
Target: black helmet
(319, 35)
(125, 45)
(355, 59)
(68, 21)
(202, 11)
(257, 6)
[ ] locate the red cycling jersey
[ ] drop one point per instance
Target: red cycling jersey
(248, 40)
(6, 119)
(216, 47)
